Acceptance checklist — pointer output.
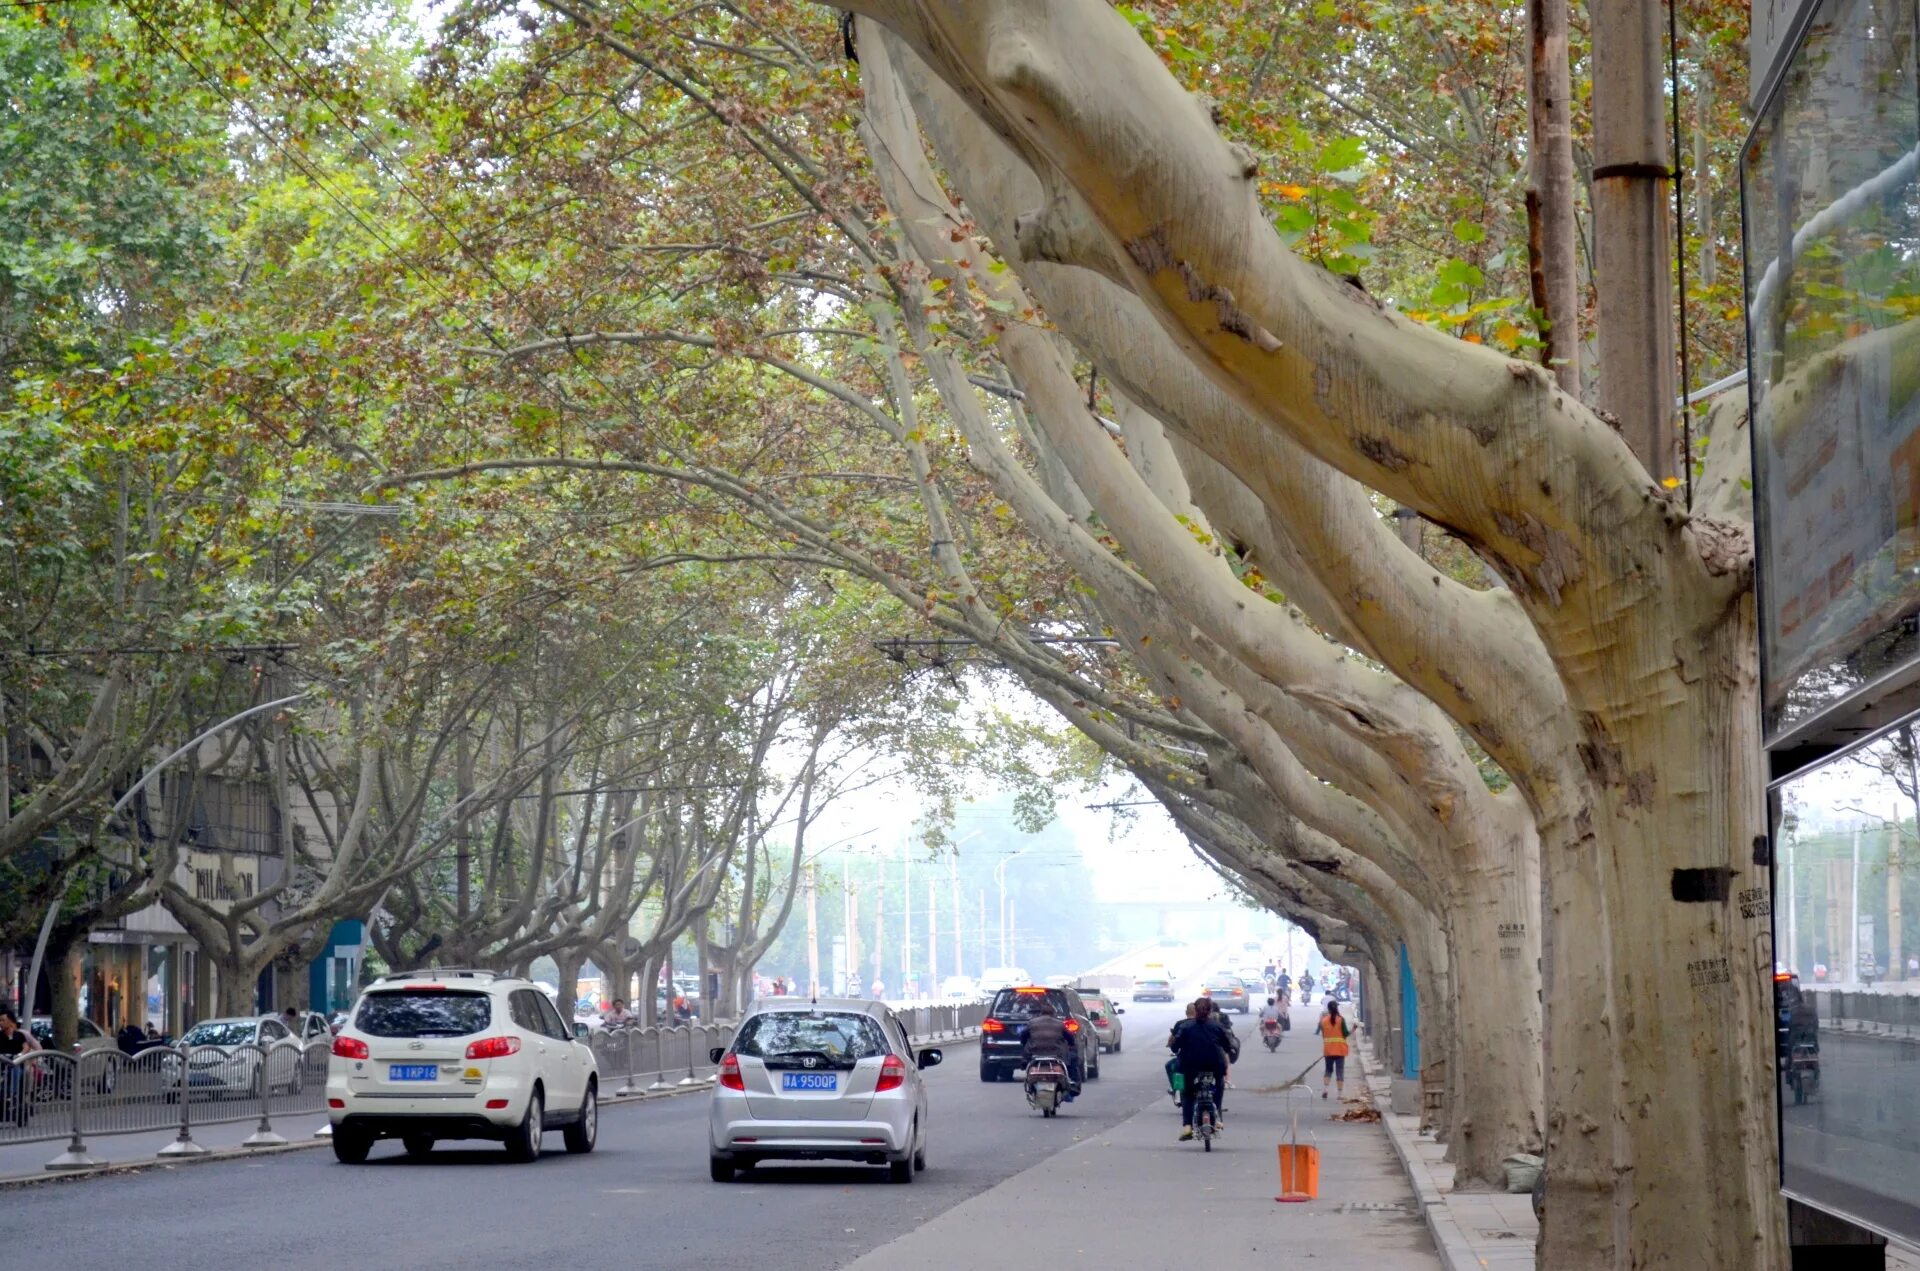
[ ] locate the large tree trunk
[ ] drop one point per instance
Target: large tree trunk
(63, 963)
(1686, 1048)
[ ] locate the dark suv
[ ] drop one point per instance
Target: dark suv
(1004, 1031)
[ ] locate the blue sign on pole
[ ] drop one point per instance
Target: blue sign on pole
(1409, 1019)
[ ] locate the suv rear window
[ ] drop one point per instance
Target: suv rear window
(423, 1013)
(1013, 1004)
(841, 1038)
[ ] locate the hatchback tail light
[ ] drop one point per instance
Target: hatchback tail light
(893, 1074)
(493, 1048)
(730, 1078)
(349, 1048)
(992, 1026)
(1072, 1026)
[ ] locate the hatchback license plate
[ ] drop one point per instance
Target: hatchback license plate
(808, 1081)
(413, 1072)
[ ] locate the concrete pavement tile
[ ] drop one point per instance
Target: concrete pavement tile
(1152, 1202)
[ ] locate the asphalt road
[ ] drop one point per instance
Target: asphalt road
(642, 1197)
(1856, 1144)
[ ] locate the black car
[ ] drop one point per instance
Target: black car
(1003, 1033)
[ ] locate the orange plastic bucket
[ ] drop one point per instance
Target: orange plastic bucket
(1299, 1172)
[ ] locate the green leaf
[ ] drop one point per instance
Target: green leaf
(1343, 154)
(1469, 231)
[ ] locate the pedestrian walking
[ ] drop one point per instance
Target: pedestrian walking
(1333, 1049)
(15, 1042)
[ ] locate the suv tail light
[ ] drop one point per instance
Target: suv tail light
(493, 1048)
(349, 1048)
(991, 1025)
(1072, 1025)
(893, 1074)
(730, 1078)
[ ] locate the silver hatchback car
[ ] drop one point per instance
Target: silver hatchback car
(832, 1080)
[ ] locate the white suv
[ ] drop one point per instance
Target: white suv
(456, 1054)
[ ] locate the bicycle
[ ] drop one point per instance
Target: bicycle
(1206, 1113)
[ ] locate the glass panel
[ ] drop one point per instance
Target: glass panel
(405, 1014)
(838, 1037)
(1846, 989)
(1833, 291)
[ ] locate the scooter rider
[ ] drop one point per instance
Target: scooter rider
(1200, 1045)
(1272, 1014)
(1047, 1038)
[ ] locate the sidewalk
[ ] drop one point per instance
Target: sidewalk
(1135, 1197)
(21, 1161)
(1473, 1230)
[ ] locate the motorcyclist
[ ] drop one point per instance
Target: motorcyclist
(1306, 987)
(1802, 1023)
(1047, 1038)
(1283, 984)
(1272, 1014)
(1199, 1046)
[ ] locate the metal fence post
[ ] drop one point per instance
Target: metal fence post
(75, 1157)
(660, 1081)
(627, 1087)
(689, 1079)
(184, 1144)
(264, 1135)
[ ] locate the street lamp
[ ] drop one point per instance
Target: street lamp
(53, 907)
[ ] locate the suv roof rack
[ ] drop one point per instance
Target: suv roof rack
(442, 973)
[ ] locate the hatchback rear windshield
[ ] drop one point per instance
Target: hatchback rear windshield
(423, 1013)
(839, 1037)
(1013, 1004)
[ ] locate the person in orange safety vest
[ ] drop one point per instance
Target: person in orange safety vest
(1333, 1049)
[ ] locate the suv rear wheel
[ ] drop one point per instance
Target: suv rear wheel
(580, 1136)
(524, 1144)
(350, 1148)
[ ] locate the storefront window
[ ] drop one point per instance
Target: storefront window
(1833, 306)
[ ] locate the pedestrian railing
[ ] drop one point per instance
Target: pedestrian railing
(1882, 1014)
(51, 1095)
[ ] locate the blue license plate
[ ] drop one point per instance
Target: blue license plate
(413, 1072)
(808, 1081)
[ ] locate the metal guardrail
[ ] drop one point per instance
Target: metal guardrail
(1885, 1014)
(48, 1095)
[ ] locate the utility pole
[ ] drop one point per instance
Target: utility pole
(983, 931)
(1793, 909)
(906, 920)
(813, 935)
(1013, 907)
(1000, 880)
(1633, 230)
(953, 900)
(933, 938)
(1853, 941)
(879, 929)
(1896, 966)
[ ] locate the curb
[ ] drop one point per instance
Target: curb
(14, 1182)
(1449, 1241)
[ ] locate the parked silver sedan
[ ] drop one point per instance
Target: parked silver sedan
(833, 1080)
